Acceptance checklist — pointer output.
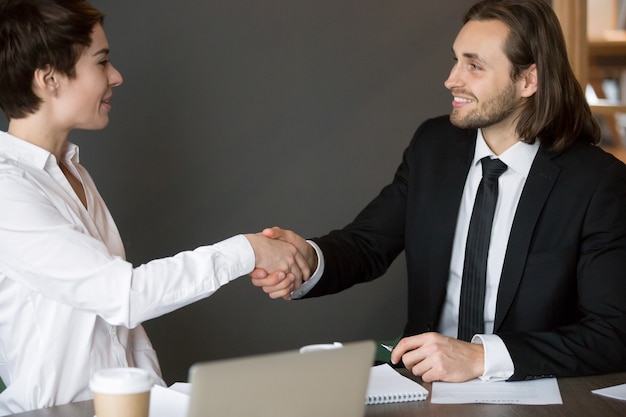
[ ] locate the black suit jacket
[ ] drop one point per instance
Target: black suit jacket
(561, 305)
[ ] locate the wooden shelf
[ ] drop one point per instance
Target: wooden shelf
(607, 55)
(607, 107)
(595, 59)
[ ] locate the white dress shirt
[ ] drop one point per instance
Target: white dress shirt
(518, 158)
(70, 303)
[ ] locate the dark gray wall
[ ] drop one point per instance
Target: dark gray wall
(240, 114)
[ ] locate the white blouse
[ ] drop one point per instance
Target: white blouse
(70, 303)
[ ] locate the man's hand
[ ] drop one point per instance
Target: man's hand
(274, 283)
(296, 240)
(440, 358)
(283, 260)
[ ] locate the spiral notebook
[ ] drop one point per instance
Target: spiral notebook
(386, 385)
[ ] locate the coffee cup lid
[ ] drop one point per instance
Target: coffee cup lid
(121, 381)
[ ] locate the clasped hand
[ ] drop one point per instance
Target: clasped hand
(284, 260)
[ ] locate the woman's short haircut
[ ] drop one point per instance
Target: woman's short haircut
(37, 34)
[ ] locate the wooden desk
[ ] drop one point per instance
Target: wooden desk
(576, 393)
(80, 409)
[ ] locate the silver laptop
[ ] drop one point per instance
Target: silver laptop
(287, 384)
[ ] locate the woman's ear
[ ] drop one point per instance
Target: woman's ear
(529, 81)
(45, 81)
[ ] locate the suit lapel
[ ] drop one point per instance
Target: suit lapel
(541, 179)
(459, 153)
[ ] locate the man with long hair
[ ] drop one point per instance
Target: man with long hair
(552, 291)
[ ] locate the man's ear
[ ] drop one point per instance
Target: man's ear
(45, 80)
(529, 81)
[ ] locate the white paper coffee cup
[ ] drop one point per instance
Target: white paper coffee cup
(121, 392)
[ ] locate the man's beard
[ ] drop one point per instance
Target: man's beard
(492, 112)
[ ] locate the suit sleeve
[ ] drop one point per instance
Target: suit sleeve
(365, 248)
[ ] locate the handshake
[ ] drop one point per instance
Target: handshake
(284, 260)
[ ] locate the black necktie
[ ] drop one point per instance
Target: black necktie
(472, 305)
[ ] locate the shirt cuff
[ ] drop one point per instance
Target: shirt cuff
(240, 254)
(498, 363)
(310, 283)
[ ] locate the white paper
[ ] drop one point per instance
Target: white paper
(184, 387)
(167, 402)
(536, 392)
(617, 391)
